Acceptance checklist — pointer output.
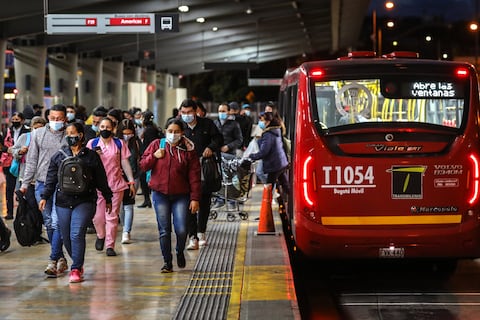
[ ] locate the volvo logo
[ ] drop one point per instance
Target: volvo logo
(389, 137)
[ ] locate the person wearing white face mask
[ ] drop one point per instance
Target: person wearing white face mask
(44, 143)
(176, 188)
(208, 140)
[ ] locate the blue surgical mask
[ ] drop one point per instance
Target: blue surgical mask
(94, 128)
(262, 125)
(247, 113)
(70, 116)
(188, 118)
(222, 115)
(56, 125)
(138, 122)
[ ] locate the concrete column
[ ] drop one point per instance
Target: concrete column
(151, 78)
(90, 83)
(62, 69)
(113, 84)
(173, 95)
(133, 74)
(30, 75)
(3, 47)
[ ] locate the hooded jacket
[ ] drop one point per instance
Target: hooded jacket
(271, 151)
(178, 172)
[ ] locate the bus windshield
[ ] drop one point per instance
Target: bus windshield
(397, 99)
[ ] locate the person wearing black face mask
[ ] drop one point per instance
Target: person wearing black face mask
(114, 154)
(75, 211)
(7, 141)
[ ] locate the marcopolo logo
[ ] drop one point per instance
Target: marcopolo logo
(407, 181)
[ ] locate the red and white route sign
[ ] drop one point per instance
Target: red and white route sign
(101, 23)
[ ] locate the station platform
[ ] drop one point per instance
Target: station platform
(239, 275)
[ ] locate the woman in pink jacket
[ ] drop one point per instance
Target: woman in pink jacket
(175, 185)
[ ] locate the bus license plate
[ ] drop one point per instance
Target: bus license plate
(391, 252)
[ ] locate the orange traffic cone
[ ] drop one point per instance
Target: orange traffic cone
(266, 225)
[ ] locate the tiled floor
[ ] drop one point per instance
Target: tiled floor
(128, 286)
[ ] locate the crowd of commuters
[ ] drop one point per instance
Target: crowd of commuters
(125, 151)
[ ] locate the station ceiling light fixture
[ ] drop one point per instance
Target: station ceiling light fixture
(200, 20)
(183, 8)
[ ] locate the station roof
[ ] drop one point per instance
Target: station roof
(272, 30)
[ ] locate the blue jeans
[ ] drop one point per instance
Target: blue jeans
(126, 216)
(50, 221)
(165, 207)
(73, 226)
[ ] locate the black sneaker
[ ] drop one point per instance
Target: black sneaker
(99, 244)
(111, 252)
(181, 260)
(5, 244)
(167, 268)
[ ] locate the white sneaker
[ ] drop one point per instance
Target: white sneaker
(192, 244)
(202, 239)
(62, 266)
(126, 238)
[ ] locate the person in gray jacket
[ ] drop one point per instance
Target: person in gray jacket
(44, 143)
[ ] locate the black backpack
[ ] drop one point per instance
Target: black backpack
(73, 175)
(211, 175)
(28, 220)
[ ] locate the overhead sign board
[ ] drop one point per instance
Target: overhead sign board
(166, 22)
(100, 23)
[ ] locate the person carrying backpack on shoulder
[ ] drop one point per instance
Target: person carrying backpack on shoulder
(115, 158)
(75, 194)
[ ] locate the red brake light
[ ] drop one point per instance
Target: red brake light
(474, 194)
(317, 73)
(461, 72)
(307, 183)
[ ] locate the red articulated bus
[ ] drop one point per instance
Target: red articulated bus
(385, 157)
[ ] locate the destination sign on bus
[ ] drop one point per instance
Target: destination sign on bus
(422, 89)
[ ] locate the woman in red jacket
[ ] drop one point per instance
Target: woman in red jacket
(175, 185)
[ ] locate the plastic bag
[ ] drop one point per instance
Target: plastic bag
(251, 149)
(15, 167)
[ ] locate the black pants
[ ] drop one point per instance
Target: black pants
(11, 181)
(282, 178)
(198, 222)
